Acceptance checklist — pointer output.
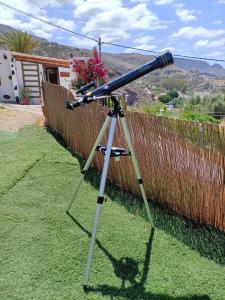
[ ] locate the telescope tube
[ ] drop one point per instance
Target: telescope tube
(86, 87)
(160, 61)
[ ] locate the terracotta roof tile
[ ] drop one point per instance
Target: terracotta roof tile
(41, 59)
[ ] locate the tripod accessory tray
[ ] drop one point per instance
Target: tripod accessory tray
(115, 151)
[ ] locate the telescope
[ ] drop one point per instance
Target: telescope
(159, 62)
(114, 115)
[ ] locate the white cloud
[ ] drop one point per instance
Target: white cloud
(42, 33)
(193, 32)
(139, 1)
(210, 44)
(185, 15)
(170, 48)
(89, 8)
(140, 17)
(142, 42)
(163, 2)
(145, 46)
(114, 21)
(217, 22)
(80, 42)
(201, 43)
(68, 24)
(221, 1)
(144, 39)
(38, 28)
(103, 24)
(41, 3)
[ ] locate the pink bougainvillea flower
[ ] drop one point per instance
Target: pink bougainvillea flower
(92, 69)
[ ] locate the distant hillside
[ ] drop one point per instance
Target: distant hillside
(199, 75)
(123, 61)
(201, 66)
(5, 28)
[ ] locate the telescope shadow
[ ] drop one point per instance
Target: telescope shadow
(208, 241)
(126, 268)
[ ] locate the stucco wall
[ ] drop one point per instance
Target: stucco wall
(6, 83)
(64, 80)
(12, 81)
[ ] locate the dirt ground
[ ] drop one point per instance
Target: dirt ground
(15, 116)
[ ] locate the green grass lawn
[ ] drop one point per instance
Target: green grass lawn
(43, 251)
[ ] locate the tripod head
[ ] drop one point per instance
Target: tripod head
(159, 62)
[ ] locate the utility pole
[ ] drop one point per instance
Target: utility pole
(100, 47)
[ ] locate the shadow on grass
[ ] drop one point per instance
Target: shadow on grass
(127, 270)
(136, 292)
(208, 241)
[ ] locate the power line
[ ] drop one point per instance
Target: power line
(99, 42)
(45, 21)
(129, 47)
(158, 52)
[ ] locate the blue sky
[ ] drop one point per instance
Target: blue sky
(193, 27)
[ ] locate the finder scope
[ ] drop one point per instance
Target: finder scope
(86, 87)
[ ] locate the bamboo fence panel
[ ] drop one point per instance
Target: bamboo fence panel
(182, 162)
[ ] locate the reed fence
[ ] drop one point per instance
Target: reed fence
(182, 162)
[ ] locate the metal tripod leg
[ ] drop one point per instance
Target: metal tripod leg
(100, 199)
(136, 168)
(88, 162)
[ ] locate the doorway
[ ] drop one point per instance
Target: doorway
(52, 75)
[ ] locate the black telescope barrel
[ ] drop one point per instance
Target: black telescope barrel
(86, 87)
(160, 61)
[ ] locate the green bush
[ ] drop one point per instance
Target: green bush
(187, 113)
(178, 102)
(158, 109)
(169, 96)
(197, 116)
(173, 94)
(195, 100)
(219, 107)
(165, 98)
(209, 104)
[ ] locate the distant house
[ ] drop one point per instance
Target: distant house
(19, 70)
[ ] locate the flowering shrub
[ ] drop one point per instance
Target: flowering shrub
(92, 69)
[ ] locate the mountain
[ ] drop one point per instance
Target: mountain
(6, 28)
(199, 65)
(122, 61)
(199, 75)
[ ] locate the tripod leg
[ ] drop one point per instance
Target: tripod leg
(89, 160)
(100, 199)
(136, 168)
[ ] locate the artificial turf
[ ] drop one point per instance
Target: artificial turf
(43, 251)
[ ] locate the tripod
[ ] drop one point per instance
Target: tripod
(114, 115)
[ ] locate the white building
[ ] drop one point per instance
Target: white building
(19, 70)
